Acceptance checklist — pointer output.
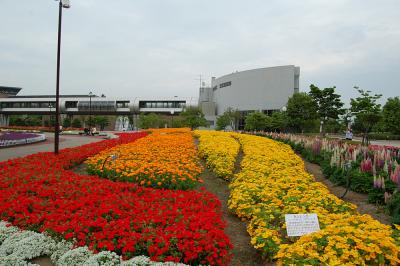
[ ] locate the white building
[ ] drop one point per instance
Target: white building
(263, 89)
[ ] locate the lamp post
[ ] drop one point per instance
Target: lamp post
(90, 110)
(50, 106)
(172, 118)
(62, 4)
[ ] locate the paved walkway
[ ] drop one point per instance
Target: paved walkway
(394, 143)
(66, 141)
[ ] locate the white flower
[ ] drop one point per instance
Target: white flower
(104, 258)
(74, 257)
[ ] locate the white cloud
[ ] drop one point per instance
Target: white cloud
(148, 48)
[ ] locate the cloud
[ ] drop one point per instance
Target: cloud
(158, 48)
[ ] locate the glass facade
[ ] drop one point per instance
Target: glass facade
(26, 104)
(96, 106)
(162, 104)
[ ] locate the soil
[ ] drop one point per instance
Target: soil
(361, 200)
(42, 261)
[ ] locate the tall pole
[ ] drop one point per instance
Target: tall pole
(57, 124)
(90, 111)
(51, 120)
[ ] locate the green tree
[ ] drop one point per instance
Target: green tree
(149, 121)
(229, 118)
(76, 123)
(193, 117)
(16, 120)
(366, 111)
(222, 122)
(90, 121)
(66, 122)
(328, 104)
(301, 111)
(255, 121)
(279, 121)
(101, 121)
(391, 115)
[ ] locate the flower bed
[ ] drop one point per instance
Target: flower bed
(219, 150)
(167, 158)
(17, 247)
(39, 193)
(17, 138)
(273, 183)
(374, 170)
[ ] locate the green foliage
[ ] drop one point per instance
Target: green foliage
(66, 122)
(91, 121)
(149, 121)
(366, 110)
(228, 118)
(76, 123)
(193, 117)
(222, 122)
(301, 111)
(25, 120)
(255, 121)
(391, 115)
(101, 121)
(279, 121)
(383, 135)
(328, 104)
(333, 126)
(394, 207)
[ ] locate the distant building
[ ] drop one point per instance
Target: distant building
(84, 105)
(263, 89)
(8, 91)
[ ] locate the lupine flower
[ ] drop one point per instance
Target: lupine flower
(366, 165)
(395, 176)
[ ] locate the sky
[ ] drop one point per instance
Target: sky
(158, 48)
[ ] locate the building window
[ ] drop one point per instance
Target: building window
(225, 84)
(122, 104)
(162, 104)
(71, 104)
(96, 106)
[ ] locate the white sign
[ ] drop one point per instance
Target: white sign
(301, 224)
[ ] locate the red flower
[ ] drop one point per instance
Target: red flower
(38, 192)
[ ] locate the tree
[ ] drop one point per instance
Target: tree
(391, 115)
(76, 123)
(328, 104)
(301, 111)
(366, 110)
(222, 122)
(228, 118)
(149, 121)
(279, 121)
(66, 122)
(193, 117)
(101, 121)
(255, 121)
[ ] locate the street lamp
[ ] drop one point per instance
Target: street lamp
(50, 106)
(172, 118)
(90, 110)
(62, 4)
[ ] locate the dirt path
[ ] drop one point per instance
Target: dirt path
(361, 200)
(243, 253)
